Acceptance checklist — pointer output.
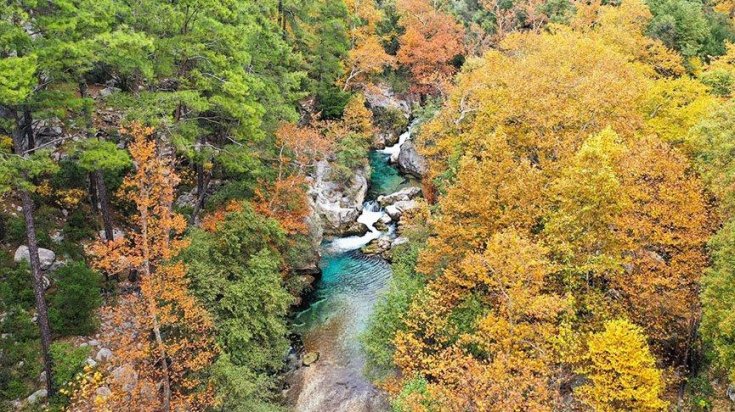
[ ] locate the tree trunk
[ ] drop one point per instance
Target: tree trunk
(28, 130)
(199, 169)
(93, 192)
(38, 286)
(104, 205)
(38, 290)
(201, 195)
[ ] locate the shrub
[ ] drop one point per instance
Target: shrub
(72, 305)
(16, 287)
(386, 320)
(351, 153)
(15, 230)
(390, 118)
(68, 361)
(78, 227)
(19, 367)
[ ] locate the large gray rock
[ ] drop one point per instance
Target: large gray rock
(46, 256)
(337, 205)
(37, 396)
(382, 96)
(396, 210)
(103, 355)
(377, 246)
(117, 233)
(410, 161)
(103, 392)
(399, 241)
(404, 194)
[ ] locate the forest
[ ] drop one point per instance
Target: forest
(367, 205)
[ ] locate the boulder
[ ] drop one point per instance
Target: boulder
(376, 246)
(355, 229)
(381, 96)
(108, 91)
(103, 355)
(187, 199)
(37, 396)
(381, 226)
(116, 233)
(399, 241)
(395, 211)
(47, 257)
(404, 194)
(126, 377)
(410, 161)
(103, 392)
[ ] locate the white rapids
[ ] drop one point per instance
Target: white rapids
(395, 150)
(371, 213)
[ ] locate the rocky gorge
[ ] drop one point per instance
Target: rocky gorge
(355, 226)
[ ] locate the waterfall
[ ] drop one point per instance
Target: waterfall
(371, 213)
(395, 150)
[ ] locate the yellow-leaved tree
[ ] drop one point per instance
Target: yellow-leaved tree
(621, 371)
(483, 335)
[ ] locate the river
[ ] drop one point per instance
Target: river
(351, 283)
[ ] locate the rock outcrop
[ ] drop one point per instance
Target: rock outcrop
(337, 205)
(382, 96)
(396, 210)
(404, 194)
(410, 161)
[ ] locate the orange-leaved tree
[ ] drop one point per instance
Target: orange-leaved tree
(163, 335)
(284, 199)
(430, 44)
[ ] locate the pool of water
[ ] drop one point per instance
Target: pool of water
(384, 177)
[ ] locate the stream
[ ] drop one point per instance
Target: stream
(350, 285)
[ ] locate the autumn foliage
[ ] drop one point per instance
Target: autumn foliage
(565, 204)
(166, 336)
(432, 40)
(366, 57)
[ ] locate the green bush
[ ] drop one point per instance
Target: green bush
(236, 274)
(415, 389)
(720, 82)
(68, 361)
(19, 368)
(73, 304)
(16, 287)
(78, 227)
(331, 101)
(15, 230)
(386, 320)
(351, 153)
(390, 118)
